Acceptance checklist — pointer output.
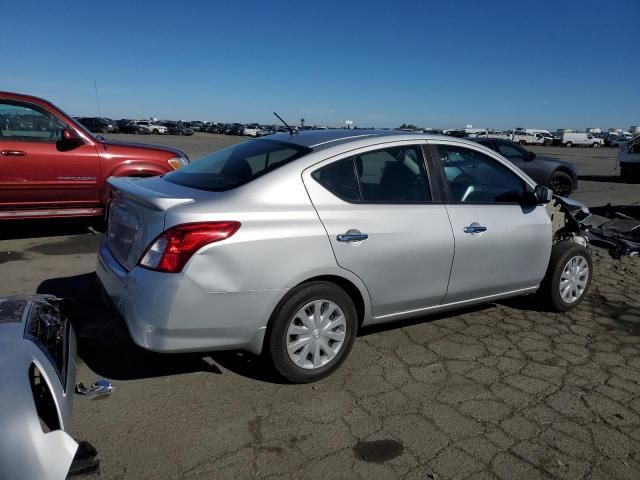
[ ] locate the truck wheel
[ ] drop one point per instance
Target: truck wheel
(155, 131)
(561, 183)
(522, 142)
(568, 277)
(311, 332)
(569, 144)
(546, 143)
(596, 145)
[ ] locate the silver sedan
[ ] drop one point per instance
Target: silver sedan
(285, 246)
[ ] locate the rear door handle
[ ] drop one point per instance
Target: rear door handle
(352, 236)
(475, 228)
(13, 153)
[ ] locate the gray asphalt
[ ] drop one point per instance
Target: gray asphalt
(502, 391)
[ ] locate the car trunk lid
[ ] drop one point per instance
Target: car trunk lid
(137, 214)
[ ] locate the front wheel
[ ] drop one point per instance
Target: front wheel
(155, 131)
(561, 184)
(596, 145)
(568, 277)
(311, 332)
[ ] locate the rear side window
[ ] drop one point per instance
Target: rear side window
(236, 165)
(391, 175)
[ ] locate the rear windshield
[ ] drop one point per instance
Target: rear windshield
(236, 165)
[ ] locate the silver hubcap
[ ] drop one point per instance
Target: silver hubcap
(574, 279)
(316, 334)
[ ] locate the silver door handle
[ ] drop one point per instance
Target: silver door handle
(352, 236)
(475, 228)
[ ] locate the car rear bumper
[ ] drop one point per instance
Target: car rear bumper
(169, 312)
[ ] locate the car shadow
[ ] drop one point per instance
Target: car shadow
(22, 229)
(103, 340)
(606, 179)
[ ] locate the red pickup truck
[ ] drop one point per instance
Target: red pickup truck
(51, 166)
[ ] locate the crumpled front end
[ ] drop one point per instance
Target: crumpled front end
(37, 373)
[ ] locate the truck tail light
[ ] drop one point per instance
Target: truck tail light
(172, 249)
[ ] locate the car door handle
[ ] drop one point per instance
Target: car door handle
(475, 228)
(352, 236)
(13, 153)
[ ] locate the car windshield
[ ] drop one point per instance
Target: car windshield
(236, 165)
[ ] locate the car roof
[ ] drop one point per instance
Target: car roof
(324, 139)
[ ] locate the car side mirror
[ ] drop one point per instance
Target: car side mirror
(543, 194)
(68, 141)
(531, 155)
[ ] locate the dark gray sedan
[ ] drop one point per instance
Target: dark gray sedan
(554, 173)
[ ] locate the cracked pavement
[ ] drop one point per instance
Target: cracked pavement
(499, 391)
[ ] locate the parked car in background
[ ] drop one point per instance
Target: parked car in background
(129, 126)
(99, 125)
(251, 130)
(62, 170)
(629, 159)
(559, 175)
(372, 218)
(216, 128)
(152, 127)
(37, 374)
(178, 128)
(581, 139)
(196, 126)
(234, 129)
(617, 139)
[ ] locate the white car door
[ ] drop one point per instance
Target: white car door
(501, 246)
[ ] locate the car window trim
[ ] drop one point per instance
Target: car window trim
(37, 108)
(447, 196)
(421, 146)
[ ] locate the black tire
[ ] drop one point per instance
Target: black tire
(569, 144)
(561, 254)
(522, 142)
(155, 131)
(561, 183)
(546, 144)
(596, 145)
(275, 342)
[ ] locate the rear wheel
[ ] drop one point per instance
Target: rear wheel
(522, 142)
(569, 144)
(311, 332)
(561, 184)
(568, 277)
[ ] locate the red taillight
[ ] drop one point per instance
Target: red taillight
(173, 248)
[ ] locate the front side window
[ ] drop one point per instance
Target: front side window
(391, 175)
(510, 151)
(24, 122)
(634, 146)
(236, 165)
(474, 177)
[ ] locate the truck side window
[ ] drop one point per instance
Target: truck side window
(23, 122)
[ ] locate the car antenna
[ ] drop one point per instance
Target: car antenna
(291, 131)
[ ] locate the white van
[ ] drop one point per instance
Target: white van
(524, 137)
(577, 139)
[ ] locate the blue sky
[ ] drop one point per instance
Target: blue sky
(502, 64)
